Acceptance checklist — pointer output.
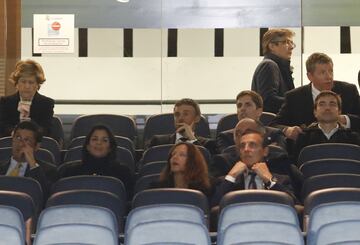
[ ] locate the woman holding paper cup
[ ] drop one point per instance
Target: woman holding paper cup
(26, 103)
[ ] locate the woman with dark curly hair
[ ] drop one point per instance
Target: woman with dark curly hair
(186, 168)
(99, 158)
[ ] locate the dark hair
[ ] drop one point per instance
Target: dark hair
(273, 36)
(317, 58)
(28, 68)
(190, 102)
(255, 97)
(196, 172)
(255, 131)
(31, 126)
(328, 93)
(113, 145)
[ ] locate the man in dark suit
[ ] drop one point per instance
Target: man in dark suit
(186, 115)
(249, 104)
(25, 141)
(297, 110)
(27, 103)
(251, 171)
(327, 128)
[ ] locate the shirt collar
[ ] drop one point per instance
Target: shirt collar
(315, 92)
(331, 133)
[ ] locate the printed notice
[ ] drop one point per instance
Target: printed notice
(54, 33)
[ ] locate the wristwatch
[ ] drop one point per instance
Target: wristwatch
(270, 183)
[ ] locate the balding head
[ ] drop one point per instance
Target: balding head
(245, 124)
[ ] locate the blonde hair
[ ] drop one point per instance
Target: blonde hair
(27, 68)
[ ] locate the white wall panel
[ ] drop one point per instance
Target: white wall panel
(196, 42)
(105, 42)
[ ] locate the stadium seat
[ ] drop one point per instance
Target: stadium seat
(91, 197)
(152, 168)
(330, 166)
(78, 214)
(75, 234)
(329, 181)
(158, 212)
(12, 217)
(91, 182)
(329, 150)
(341, 232)
(119, 125)
(168, 232)
(263, 232)
(329, 213)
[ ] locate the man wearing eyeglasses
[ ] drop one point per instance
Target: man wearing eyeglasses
(273, 76)
(25, 142)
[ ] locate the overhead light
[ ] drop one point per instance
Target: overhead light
(123, 1)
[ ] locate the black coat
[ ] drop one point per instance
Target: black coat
(41, 112)
(298, 106)
(272, 79)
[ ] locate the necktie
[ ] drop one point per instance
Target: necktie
(252, 183)
(16, 170)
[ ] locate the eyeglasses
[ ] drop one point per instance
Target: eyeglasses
(287, 42)
(18, 138)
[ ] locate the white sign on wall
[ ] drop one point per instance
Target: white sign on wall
(54, 33)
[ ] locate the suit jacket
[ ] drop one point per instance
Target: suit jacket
(273, 136)
(314, 135)
(298, 106)
(45, 174)
(283, 184)
(170, 139)
(272, 79)
(41, 112)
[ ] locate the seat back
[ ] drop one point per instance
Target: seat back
(19, 200)
(91, 197)
(10, 235)
(164, 124)
(78, 214)
(5, 141)
(256, 211)
(91, 182)
(329, 213)
(53, 146)
(119, 125)
(267, 117)
(57, 130)
(152, 168)
(145, 182)
(12, 217)
(330, 195)
(329, 181)
(156, 153)
(168, 232)
(341, 232)
(171, 195)
(45, 156)
(330, 166)
(158, 212)
(75, 234)
(329, 150)
(227, 122)
(246, 196)
(254, 232)
(25, 185)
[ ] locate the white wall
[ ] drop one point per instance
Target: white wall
(195, 73)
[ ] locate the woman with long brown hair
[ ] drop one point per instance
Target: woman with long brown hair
(186, 168)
